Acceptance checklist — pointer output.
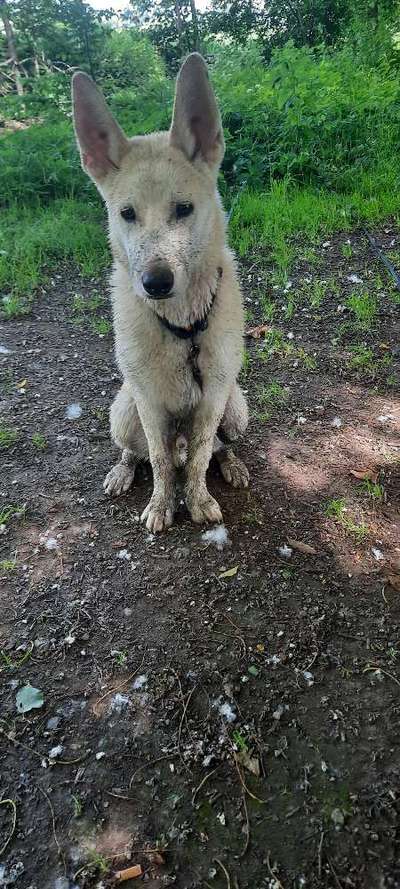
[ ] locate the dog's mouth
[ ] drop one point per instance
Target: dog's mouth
(157, 298)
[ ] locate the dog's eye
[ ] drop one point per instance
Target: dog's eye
(183, 210)
(128, 214)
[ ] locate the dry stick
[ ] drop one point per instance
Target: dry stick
(117, 687)
(320, 855)
(243, 783)
(224, 870)
(181, 723)
(278, 883)
(370, 667)
(9, 802)
(202, 783)
(337, 881)
(42, 756)
(53, 819)
(247, 839)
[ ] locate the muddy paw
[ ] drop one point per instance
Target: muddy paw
(235, 472)
(119, 479)
(158, 515)
(205, 509)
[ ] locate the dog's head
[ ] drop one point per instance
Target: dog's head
(160, 190)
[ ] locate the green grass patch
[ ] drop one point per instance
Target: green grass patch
(8, 437)
(364, 307)
(337, 509)
(39, 441)
(33, 241)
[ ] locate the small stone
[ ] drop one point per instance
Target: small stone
(338, 818)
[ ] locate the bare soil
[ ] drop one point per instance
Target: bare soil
(221, 731)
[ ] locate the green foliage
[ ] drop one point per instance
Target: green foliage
(364, 307)
(8, 437)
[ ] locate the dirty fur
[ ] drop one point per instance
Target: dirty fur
(161, 412)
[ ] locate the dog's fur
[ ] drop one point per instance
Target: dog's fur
(161, 406)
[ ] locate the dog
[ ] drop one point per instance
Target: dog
(177, 306)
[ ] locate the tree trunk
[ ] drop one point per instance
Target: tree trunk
(179, 25)
(195, 22)
(12, 51)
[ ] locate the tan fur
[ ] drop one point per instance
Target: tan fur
(160, 398)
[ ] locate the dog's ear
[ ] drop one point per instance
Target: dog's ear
(196, 122)
(101, 141)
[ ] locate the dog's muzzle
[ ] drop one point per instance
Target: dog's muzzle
(158, 281)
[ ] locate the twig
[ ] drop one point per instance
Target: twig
(334, 874)
(53, 820)
(247, 839)
(181, 722)
(9, 802)
(224, 870)
(320, 854)
(370, 667)
(112, 691)
(278, 883)
(243, 783)
(202, 783)
(386, 262)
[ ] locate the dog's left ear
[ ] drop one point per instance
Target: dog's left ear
(196, 122)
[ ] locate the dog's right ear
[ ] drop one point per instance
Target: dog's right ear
(196, 122)
(101, 141)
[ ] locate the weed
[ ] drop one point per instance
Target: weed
(240, 741)
(39, 441)
(121, 658)
(101, 326)
(82, 304)
(273, 344)
(308, 360)
(8, 511)
(13, 306)
(311, 256)
(317, 293)
(373, 490)
(346, 250)
(78, 806)
(268, 308)
(362, 358)
(290, 305)
(246, 362)
(337, 509)
(273, 395)
(8, 437)
(14, 665)
(8, 565)
(364, 307)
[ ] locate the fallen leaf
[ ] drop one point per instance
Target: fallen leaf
(394, 581)
(249, 762)
(365, 474)
(230, 572)
(129, 873)
(302, 547)
(29, 698)
(256, 332)
(253, 670)
(260, 647)
(21, 384)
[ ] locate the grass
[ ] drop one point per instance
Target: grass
(9, 511)
(8, 437)
(39, 441)
(364, 307)
(35, 240)
(363, 358)
(373, 490)
(8, 565)
(272, 397)
(101, 326)
(337, 509)
(261, 218)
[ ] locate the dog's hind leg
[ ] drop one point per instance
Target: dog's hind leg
(127, 433)
(234, 423)
(236, 415)
(232, 469)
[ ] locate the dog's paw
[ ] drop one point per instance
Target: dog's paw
(119, 479)
(158, 515)
(204, 509)
(234, 471)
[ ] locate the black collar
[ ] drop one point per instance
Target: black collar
(188, 333)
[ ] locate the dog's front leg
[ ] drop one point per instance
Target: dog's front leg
(201, 505)
(159, 512)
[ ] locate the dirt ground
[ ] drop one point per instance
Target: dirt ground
(222, 717)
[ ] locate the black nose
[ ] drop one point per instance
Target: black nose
(158, 281)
